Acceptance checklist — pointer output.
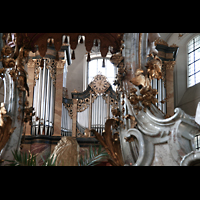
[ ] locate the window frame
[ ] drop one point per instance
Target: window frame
(95, 57)
(194, 49)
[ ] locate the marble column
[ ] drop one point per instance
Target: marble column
(30, 81)
(169, 79)
(58, 97)
(42, 150)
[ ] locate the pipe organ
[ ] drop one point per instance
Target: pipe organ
(44, 97)
(159, 85)
(89, 109)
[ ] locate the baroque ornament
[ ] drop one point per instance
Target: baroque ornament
(100, 84)
(111, 143)
(154, 68)
(6, 128)
(66, 152)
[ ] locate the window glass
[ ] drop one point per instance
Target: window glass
(194, 61)
(95, 67)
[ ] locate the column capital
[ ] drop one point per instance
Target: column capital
(75, 101)
(169, 64)
(60, 64)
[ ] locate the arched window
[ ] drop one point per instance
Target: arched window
(95, 66)
(194, 61)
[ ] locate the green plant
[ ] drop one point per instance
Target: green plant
(50, 161)
(22, 159)
(29, 159)
(95, 157)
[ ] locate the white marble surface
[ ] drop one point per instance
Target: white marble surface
(12, 109)
(191, 159)
(163, 156)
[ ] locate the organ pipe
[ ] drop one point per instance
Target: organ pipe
(44, 99)
(90, 114)
(159, 85)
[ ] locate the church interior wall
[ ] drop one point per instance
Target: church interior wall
(184, 98)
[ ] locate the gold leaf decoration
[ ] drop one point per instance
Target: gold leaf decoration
(111, 143)
(6, 128)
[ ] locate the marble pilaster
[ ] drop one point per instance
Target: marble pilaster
(58, 98)
(42, 150)
(169, 78)
(30, 81)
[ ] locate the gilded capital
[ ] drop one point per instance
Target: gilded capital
(75, 101)
(60, 64)
(169, 64)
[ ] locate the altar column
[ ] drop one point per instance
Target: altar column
(169, 80)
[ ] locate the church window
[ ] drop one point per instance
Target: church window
(194, 61)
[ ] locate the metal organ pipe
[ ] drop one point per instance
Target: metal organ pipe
(51, 115)
(38, 103)
(44, 101)
(47, 103)
(43, 98)
(93, 116)
(159, 85)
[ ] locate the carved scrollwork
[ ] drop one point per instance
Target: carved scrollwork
(191, 159)
(50, 65)
(112, 101)
(6, 128)
(83, 104)
(7, 57)
(111, 142)
(37, 70)
(69, 109)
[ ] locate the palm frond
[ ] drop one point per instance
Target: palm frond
(94, 157)
(29, 159)
(50, 161)
(22, 159)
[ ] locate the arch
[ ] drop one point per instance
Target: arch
(93, 56)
